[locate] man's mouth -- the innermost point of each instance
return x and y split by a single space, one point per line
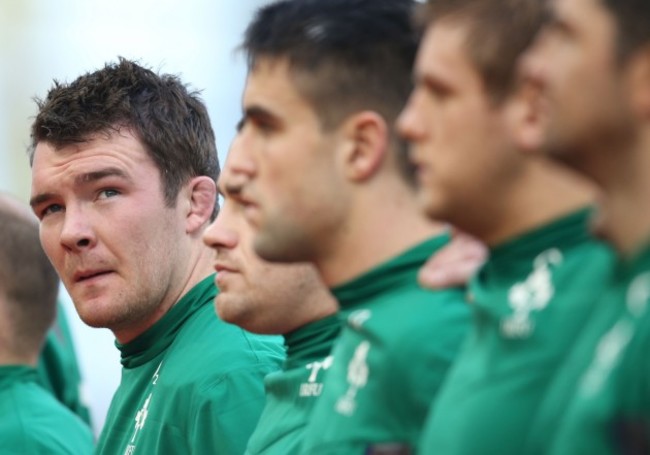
222 267
89 274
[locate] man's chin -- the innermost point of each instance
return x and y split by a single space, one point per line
90 313
275 250
559 149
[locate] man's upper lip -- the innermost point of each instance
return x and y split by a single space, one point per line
88 273
223 266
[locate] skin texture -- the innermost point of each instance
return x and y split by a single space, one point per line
481 182
574 63
295 193
124 256
453 167
316 195
599 106
254 294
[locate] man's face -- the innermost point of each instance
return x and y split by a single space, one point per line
574 62
458 139
106 229
293 197
254 294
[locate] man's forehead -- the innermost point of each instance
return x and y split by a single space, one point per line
570 8
443 48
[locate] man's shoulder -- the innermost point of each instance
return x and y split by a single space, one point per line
430 323
206 348
40 421
412 305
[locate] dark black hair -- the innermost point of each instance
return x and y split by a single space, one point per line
632 19
347 55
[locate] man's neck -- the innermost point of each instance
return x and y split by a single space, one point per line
625 218
382 224
199 268
543 193
9 358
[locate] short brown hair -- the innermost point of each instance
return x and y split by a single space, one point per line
28 282
499 31
632 31
168 117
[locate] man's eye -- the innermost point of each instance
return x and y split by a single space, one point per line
103 194
50 209
263 125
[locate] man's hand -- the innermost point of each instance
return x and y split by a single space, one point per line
454 264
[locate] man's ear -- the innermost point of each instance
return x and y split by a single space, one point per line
201 197
528 117
638 75
366 136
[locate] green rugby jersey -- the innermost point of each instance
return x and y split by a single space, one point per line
552 410
393 353
610 409
32 421
190 384
58 368
530 300
292 392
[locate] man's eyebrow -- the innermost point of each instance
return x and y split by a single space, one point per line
89 177
81 179
257 112
40 199
232 189
240 124
548 14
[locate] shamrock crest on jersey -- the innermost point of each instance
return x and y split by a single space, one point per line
532 294
357 378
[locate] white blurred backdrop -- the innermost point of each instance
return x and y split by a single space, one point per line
42 40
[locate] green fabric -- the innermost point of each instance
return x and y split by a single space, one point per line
553 408
529 300
392 355
58 369
610 409
190 384
33 422
292 392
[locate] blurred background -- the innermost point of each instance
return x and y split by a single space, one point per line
42 40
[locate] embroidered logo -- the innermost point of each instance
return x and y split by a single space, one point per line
357 378
312 388
141 415
530 295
